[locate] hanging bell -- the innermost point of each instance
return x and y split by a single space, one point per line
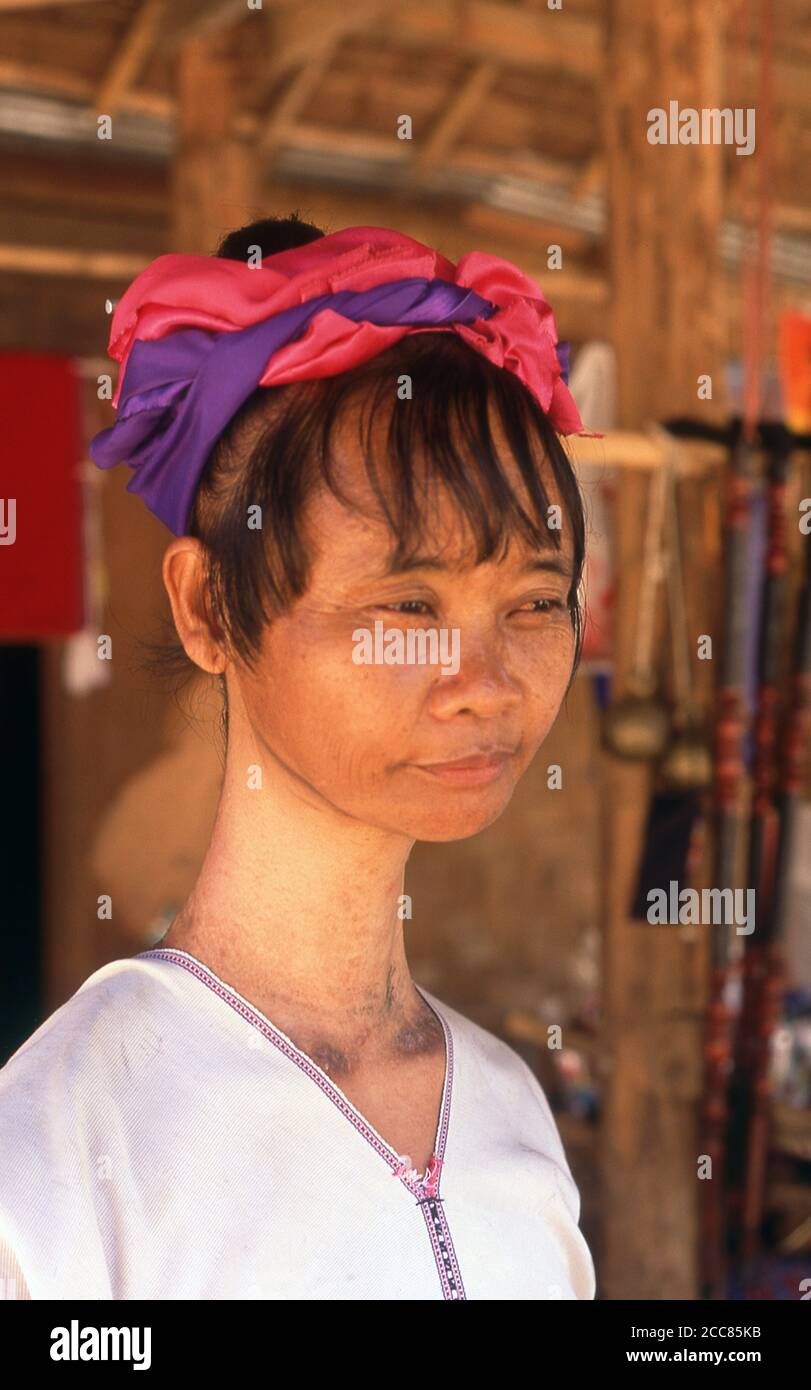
636 726
687 764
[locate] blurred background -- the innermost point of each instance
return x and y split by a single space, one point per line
680 274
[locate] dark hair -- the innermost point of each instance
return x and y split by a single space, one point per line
277 448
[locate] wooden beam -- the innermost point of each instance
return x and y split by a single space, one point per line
541 169
130 56
12 6
669 321
458 110
508 35
57 82
52 260
298 33
528 232
187 19
478 29
358 144
369 144
277 127
454 118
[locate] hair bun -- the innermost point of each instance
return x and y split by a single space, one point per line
271 234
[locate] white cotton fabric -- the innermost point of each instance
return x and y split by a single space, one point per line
160 1139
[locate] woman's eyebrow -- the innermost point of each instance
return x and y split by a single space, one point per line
556 564
553 564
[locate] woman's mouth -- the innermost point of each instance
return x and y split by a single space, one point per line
475 771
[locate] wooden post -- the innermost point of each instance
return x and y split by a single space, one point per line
668 326
95 744
213 181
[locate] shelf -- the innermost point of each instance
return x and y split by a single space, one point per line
635 449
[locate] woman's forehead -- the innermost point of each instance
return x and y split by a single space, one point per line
351 448
443 542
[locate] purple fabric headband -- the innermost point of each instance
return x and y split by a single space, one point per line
180 390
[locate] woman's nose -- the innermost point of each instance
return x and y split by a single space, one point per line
482 683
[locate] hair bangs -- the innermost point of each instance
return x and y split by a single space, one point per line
442 437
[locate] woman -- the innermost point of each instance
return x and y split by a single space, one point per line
266 1105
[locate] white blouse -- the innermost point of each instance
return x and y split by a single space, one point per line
160 1138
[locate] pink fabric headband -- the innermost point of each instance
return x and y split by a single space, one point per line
195 335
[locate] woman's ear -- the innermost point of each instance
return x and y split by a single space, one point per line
184 575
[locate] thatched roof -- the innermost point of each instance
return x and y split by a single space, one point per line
505 99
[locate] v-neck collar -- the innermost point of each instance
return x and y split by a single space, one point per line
428 1184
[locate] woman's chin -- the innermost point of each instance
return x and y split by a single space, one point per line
453 814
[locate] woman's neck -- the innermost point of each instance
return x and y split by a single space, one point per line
296 906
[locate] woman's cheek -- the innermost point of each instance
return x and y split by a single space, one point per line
389 703
550 651
547 668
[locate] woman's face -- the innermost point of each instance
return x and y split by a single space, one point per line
374 740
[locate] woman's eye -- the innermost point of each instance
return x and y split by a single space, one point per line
545 605
416 607
407 606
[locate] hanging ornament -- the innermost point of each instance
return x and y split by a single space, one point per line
687 763
637 725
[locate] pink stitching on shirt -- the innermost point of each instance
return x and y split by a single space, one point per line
426 1188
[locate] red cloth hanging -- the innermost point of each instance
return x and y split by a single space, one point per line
40 453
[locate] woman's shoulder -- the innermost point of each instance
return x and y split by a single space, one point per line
112 1018
67 1096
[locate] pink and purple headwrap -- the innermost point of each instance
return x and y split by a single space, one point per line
195 335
